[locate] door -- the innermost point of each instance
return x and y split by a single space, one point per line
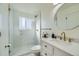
4 30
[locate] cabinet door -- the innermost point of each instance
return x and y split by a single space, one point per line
58 52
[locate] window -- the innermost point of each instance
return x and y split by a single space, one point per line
28 23
25 23
22 23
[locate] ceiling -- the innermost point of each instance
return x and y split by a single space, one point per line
31 8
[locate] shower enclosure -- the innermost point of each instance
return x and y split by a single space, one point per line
19 30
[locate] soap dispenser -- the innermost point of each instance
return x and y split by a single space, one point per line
45 35
53 35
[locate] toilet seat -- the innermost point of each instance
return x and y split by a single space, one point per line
36 48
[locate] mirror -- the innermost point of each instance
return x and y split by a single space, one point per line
67 16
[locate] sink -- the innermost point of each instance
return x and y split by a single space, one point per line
61 42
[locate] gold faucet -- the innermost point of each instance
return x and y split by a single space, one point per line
64 37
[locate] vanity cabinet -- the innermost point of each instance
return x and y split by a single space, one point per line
49 50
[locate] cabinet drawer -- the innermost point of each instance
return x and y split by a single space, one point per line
46 46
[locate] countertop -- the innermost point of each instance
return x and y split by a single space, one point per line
71 48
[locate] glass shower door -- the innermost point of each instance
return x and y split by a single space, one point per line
23 32
4 38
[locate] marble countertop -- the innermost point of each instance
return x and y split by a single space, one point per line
71 48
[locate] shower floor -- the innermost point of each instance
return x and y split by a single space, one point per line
26 50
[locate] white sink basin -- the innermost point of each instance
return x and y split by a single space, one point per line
62 42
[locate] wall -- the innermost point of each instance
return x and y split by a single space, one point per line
37 19
46 19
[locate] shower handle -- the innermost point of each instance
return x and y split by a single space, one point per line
7 45
0 34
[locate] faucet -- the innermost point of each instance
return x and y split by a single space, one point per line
63 33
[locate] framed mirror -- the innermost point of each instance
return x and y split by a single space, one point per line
67 16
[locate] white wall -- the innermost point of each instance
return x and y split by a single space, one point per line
46 19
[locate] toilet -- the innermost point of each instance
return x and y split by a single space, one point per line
36 50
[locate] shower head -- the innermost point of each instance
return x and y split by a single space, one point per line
36 16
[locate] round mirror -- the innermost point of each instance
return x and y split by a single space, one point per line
67 16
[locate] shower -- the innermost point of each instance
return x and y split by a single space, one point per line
24 31
21 28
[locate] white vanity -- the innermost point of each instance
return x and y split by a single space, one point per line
54 47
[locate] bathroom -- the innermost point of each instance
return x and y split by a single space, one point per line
39 29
